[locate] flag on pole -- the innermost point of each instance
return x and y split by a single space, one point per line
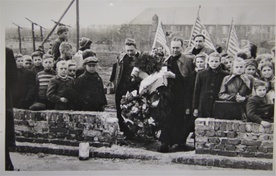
199 28
160 37
232 43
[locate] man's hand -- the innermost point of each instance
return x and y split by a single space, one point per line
169 74
195 113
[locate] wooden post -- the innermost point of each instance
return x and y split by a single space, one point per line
19 37
33 33
78 23
46 38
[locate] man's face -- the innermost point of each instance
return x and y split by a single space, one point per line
62 70
64 35
238 68
176 48
130 50
48 63
214 62
19 62
199 42
91 68
37 61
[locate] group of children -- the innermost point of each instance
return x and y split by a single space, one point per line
46 83
246 81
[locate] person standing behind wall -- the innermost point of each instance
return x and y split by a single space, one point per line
62 33
122 80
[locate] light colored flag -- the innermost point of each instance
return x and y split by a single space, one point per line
199 28
160 38
232 43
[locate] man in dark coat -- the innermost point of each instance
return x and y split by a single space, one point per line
175 128
122 79
11 79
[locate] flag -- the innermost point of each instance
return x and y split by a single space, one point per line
160 37
199 28
232 43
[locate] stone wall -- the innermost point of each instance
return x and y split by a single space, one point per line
233 138
66 127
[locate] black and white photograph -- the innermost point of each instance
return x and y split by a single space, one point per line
137 87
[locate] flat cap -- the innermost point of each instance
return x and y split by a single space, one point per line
90 60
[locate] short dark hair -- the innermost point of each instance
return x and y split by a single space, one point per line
199 35
62 29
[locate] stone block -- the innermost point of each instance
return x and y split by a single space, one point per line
255 127
250 142
242 127
56 130
233 141
231 134
220 134
202 151
200 122
199 132
248 127
262 149
209 146
230 147
252 136
217 125
251 149
229 126
268 144
226 163
201 139
270 150
220 147
210 133
264 155
223 126
214 140
235 126
247 154
264 137
227 153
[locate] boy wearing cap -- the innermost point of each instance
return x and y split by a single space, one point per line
85 44
43 79
60 90
89 85
37 60
62 33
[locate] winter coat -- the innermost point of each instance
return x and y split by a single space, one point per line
58 88
24 92
90 90
11 82
207 86
233 84
257 110
205 50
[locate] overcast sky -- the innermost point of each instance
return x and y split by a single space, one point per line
96 11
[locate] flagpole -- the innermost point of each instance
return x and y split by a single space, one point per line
194 26
229 34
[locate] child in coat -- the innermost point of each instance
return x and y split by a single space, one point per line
60 90
258 111
89 85
37 61
207 86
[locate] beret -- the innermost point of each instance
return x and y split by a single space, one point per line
90 60
85 42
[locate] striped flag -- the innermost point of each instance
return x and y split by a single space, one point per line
160 38
199 28
232 43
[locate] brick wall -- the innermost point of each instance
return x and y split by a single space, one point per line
233 138
66 127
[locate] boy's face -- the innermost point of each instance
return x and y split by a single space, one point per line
62 70
261 91
48 63
64 35
37 61
200 63
27 64
214 62
72 71
228 63
250 70
238 68
267 72
91 68
19 62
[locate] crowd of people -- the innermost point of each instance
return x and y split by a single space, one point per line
198 81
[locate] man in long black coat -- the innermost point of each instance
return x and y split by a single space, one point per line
11 79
